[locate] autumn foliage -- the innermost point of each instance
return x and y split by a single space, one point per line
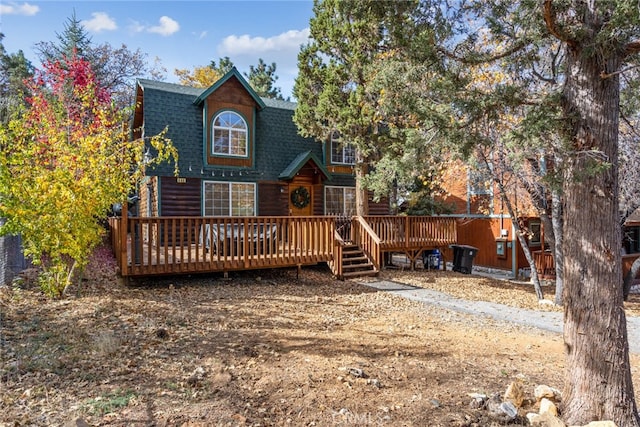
64 160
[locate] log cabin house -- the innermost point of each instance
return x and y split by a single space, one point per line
252 193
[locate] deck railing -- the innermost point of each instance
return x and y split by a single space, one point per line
167 245
545 265
172 245
413 232
367 240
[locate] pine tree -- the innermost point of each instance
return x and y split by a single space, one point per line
15 68
334 67
262 78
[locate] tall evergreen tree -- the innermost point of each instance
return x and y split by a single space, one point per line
15 68
115 68
262 79
223 66
73 39
346 38
568 56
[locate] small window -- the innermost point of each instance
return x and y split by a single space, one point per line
340 200
535 235
229 199
230 135
342 153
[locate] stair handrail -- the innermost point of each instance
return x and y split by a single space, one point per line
336 263
367 240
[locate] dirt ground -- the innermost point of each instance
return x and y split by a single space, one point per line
263 348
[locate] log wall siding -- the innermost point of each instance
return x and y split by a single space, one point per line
273 199
180 199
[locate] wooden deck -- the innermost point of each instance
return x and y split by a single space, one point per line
546 268
147 246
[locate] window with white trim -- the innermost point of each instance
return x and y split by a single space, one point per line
230 135
229 199
340 200
342 153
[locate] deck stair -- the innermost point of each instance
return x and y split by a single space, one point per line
355 263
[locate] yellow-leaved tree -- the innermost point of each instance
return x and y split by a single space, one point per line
199 77
64 160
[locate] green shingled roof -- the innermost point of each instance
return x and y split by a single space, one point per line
198 92
232 73
170 87
297 163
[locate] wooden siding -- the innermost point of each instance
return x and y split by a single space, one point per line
318 199
379 208
455 180
231 96
273 198
482 233
180 198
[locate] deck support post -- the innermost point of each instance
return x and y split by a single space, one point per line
124 235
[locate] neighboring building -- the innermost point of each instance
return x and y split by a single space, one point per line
484 221
239 155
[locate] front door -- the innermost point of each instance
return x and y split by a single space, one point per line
300 199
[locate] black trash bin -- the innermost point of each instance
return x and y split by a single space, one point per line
463 258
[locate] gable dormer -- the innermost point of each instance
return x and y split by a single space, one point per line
229 109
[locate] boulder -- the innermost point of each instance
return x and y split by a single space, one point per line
547 406
545 420
515 394
545 391
501 411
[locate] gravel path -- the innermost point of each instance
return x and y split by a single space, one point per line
547 321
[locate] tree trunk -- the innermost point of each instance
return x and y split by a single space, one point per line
558 258
362 195
598 377
535 279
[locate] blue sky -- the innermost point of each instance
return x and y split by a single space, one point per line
182 34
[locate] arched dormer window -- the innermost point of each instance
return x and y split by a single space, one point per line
230 135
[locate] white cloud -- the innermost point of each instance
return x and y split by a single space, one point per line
100 22
19 9
282 49
202 35
167 27
246 44
136 27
